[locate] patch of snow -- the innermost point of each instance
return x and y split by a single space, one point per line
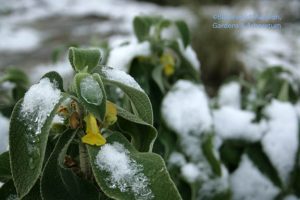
116 75
38 103
248 183
124 173
18 40
232 123
281 140
91 91
122 56
230 95
4 124
190 172
170 33
176 159
185 109
189 54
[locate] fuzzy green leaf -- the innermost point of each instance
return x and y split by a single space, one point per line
184 32
27 150
143 135
55 78
82 59
141 26
91 92
153 168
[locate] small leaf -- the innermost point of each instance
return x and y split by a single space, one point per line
157 76
59 182
184 32
143 134
27 149
15 75
91 92
81 59
55 78
5 173
131 88
150 166
141 28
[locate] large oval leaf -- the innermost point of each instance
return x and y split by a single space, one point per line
90 90
124 173
131 88
143 135
28 137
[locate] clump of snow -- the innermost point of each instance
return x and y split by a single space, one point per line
281 140
190 172
18 40
122 56
116 75
232 123
4 124
124 173
38 103
90 90
229 95
185 109
248 183
176 159
189 54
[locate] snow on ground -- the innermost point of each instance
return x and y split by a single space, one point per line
38 103
121 57
190 172
281 140
124 173
4 126
176 159
248 183
233 123
230 95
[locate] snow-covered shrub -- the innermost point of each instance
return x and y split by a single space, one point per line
79 144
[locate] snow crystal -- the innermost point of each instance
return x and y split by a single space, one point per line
229 95
281 140
190 172
124 173
38 103
121 57
249 183
90 90
120 76
189 54
4 125
185 109
176 159
232 123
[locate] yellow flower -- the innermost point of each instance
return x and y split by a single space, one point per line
168 63
111 114
93 135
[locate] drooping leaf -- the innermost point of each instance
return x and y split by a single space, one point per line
131 88
55 78
82 59
91 93
27 149
184 32
151 166
143 135
5 173
59 182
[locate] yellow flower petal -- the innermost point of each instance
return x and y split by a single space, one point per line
93 139
168 62
91 124
111 114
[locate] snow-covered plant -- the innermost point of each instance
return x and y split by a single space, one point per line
80 144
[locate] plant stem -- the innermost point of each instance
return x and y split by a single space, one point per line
84 161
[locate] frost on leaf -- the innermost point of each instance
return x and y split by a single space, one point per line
90 90
124 173
38 103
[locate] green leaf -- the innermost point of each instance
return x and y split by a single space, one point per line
27 149
84 59
55 78
143 135
261 160
58 182
138 97
15 75
5 173
141 26
91 92
157 75
208 151
151 166
8 191
184 32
